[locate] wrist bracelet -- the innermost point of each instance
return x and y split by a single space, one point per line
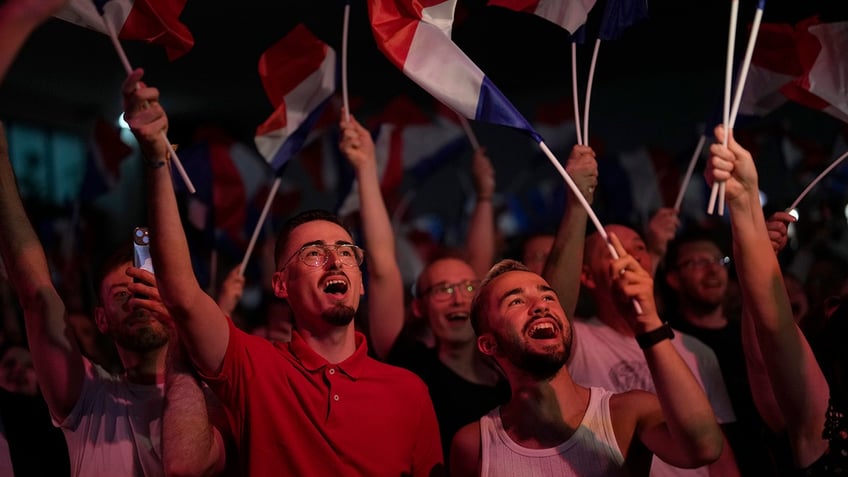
646 340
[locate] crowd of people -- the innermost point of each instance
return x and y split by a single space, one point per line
661 352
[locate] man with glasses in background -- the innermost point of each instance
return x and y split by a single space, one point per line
318 405
464 384
697 279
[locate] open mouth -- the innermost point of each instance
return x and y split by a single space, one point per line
457 317
543 329
335 286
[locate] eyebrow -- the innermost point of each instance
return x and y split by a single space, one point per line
321 242
519 290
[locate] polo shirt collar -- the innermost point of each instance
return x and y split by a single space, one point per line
353 366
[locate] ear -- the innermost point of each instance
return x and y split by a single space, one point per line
100 319
417 308
278 284
586 278
361 286
486 344
673 280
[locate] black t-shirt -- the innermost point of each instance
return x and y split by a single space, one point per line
456 400
36 447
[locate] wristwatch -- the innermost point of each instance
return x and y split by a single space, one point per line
646 340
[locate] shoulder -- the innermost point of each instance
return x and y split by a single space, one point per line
466 451
398 376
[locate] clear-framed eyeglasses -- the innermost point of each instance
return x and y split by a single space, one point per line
445 291
703 262
317 254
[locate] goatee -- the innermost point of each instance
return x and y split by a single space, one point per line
339 315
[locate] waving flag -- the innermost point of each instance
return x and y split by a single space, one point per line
408 141
415 36
151 21
298 73
773 65
823 84
620 15
568 14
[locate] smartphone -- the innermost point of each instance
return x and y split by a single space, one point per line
141 249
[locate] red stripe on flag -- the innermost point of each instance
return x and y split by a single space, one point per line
158 22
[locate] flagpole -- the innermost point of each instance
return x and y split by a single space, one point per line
129 69
271 195
577 193
689 171
589 92
746 62
345 27
574 92
816 181
718 186
469 132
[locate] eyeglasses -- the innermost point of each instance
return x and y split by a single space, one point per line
445 291
317 254
704 262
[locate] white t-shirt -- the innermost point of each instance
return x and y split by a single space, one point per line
603 357
591 451
115 428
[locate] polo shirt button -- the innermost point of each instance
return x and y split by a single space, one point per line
335 397
332 370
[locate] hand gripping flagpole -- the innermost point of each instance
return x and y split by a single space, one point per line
585 204
129 69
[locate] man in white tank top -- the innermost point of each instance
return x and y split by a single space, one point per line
554 427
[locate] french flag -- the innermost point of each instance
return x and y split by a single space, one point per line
620 15
151 21
774 64
823 84
415 37
299 76
408 140
568 14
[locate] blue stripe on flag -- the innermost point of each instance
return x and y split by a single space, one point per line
493 107
295 141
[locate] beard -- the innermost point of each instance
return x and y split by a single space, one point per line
339 315
540 366
142 339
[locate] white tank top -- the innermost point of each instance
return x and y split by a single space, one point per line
591 451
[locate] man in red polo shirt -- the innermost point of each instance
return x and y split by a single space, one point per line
317 405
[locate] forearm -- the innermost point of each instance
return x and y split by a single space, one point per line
480 238
385 293
565 261
685 407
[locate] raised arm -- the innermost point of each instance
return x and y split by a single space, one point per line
797 382
231 291
57 360
385 285
480 239
201 324
565 261
18 19
689 435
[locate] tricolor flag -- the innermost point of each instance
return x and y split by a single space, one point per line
823 84
151 21
774 64
299 76
408 140
415 36
568 14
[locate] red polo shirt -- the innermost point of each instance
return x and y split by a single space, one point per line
296 414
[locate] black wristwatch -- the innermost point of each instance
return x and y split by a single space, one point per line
646 340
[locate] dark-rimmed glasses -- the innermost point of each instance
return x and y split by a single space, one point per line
317 254
703 262
445 291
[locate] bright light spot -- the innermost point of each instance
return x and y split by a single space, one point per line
797 215
763 198
846 211
123 124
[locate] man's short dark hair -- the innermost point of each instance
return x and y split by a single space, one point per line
298 220
478 304
121 256
692 235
